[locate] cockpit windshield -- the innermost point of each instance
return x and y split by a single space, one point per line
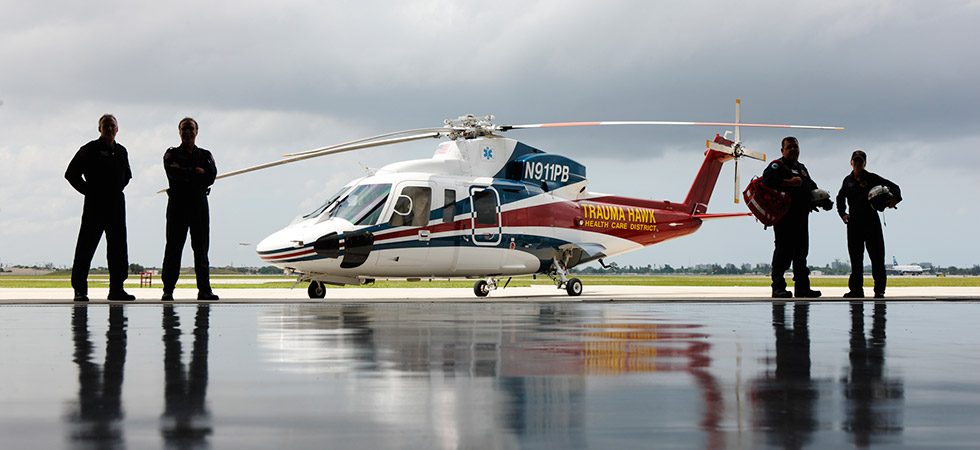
363 204
329 204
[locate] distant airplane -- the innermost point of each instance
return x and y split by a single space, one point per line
906 269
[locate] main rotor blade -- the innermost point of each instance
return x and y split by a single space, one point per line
330 152
358 141
324 152
647 122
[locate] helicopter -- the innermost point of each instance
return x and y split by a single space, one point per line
484 207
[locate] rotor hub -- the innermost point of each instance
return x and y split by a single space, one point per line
737 150
470 126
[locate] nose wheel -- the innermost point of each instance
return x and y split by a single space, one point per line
316 290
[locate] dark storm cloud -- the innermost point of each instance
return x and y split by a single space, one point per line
270 77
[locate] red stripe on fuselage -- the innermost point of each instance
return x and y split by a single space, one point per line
645 222
287 255
621 217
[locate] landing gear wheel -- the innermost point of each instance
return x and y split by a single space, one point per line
481 288
316 290
574 287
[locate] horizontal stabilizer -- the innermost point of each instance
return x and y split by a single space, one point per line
720 216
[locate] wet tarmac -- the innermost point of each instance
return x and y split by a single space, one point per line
510 375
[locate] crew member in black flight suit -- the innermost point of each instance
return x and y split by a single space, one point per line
863 225
787 174
191 172
100 171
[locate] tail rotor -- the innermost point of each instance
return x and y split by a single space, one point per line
735 148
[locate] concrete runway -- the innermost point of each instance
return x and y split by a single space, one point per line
618 367
533 294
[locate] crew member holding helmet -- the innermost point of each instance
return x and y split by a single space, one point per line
792 234
865 193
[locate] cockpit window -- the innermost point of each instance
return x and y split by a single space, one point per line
329 204
362 206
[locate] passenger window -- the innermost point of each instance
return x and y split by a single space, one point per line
412 207
486 207
449 207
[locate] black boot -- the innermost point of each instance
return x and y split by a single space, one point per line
781 293
808 293
120 295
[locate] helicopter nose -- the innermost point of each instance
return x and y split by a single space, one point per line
282 247
268 245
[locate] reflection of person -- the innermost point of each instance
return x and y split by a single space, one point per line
788 396
185 419
792 244
191 172
863 225
873 401
98 417
100 171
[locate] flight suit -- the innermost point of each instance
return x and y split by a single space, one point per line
187 209
864 228
792 235
100 172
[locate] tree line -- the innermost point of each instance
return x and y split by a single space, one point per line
611 269
745 269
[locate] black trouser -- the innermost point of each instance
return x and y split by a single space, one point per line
861 233
101 213
792 246
183 213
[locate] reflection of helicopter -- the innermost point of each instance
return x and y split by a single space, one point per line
483 207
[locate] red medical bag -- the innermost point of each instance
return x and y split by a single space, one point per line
767 204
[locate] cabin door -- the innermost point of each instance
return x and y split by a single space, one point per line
485 217
409 241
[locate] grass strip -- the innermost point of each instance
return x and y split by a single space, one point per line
45 281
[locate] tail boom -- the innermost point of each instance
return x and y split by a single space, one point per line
704 183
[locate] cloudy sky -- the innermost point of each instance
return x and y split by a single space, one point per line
267 78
